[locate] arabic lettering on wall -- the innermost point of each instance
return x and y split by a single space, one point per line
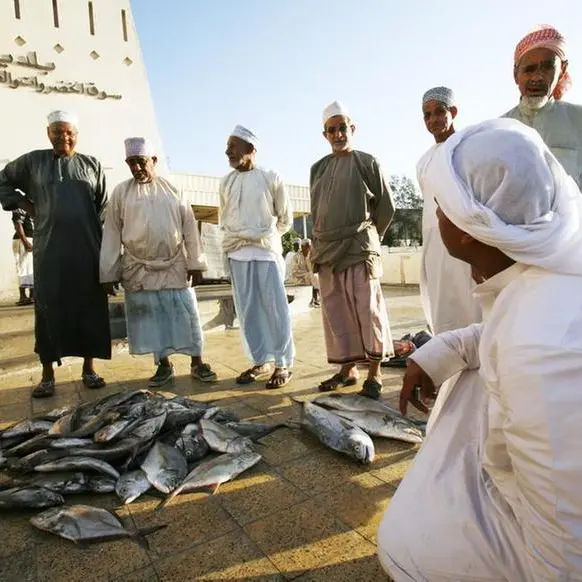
40 83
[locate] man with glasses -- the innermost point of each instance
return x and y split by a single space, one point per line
351 208
541 73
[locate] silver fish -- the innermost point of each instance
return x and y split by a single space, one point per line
222 439
165 467
150 427
29 462
36 443
354 402
253 430
178 418
115 430
101 484
28 497
69 442
384 425
93 424
83 523
78 463
222 415
193 446
131 485
27 427
214 472
64 483
54 414
337 433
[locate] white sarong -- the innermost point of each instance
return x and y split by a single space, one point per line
23 260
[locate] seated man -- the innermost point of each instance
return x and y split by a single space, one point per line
494 493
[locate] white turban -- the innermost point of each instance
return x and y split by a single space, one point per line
306 241
441 94
246 135
63 117
297 241
139 147
499 182
333 109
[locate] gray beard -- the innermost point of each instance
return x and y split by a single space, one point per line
535 103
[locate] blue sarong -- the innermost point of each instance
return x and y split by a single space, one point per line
163 322
263 312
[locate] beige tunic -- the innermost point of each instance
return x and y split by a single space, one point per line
560 125
351 209
150 238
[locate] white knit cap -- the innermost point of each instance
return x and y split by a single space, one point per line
63 117
333 109
139 147
441 94
246 135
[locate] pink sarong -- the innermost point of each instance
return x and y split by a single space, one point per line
355 321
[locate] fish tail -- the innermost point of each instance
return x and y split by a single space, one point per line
139 537
167 500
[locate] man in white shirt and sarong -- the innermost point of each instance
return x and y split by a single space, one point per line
152 247
351 209
494 492
255 212
22 251
541 74
446 284
301 272
290 256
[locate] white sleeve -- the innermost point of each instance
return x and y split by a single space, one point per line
450 352
110 253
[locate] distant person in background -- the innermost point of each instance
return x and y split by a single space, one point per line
162 259
446 285
540 71
65 193
22 250
255 212
351 208
289 258
302 271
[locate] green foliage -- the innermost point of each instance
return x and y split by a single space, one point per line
287 240
406 226
405 193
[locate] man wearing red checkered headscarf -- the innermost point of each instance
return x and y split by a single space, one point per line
540 70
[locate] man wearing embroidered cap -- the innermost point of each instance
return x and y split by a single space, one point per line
351 209
255 212
65 193
445 282
162 253
495 489
540 70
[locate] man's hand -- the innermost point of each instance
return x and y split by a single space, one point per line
110 288
415 377
27 245
195 277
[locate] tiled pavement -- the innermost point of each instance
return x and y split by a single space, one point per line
303 513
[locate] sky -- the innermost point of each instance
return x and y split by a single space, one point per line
273 65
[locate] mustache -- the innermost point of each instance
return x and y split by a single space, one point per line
537 85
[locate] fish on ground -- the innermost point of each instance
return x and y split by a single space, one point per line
86 524
131 485
29 497
76 464
222 439
337 433
165 467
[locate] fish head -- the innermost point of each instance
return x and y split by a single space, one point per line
362 447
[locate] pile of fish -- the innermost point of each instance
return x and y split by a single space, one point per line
128 443
346 423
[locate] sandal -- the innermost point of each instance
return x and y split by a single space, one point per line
336 381
92 381
279 379
203 373
253 374
22 302
44 389
371 389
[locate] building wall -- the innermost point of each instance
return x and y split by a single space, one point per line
84 64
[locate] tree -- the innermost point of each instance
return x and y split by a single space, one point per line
287 240
406 226
405 192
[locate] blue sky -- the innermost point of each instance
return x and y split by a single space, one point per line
273 65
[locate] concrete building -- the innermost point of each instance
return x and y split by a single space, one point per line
85 57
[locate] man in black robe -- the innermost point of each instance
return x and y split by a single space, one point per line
65 193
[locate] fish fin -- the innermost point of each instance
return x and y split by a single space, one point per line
167 500
214 488
139 537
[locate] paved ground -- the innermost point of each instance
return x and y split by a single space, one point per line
303 513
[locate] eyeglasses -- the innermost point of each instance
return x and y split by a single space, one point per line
341 128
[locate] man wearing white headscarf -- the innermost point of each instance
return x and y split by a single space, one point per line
302 271
64 191
351 209
289 258
540 70
255 211
502 501
151 246
446 284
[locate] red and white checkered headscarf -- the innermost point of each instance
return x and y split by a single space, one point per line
545 36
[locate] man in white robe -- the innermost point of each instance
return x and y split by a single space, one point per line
446 285
289 258
151 246
541 74
255 212
302 272
494 494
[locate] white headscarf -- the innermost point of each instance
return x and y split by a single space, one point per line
499 182
246 135
139 147
333 109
